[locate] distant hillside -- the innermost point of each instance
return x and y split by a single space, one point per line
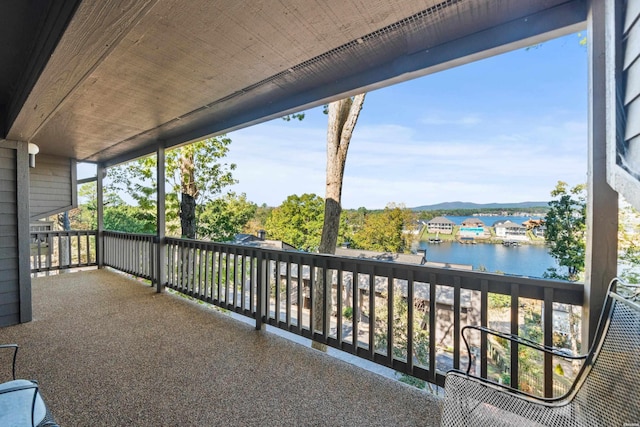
467 205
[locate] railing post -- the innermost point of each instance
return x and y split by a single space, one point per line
261 290
515 329
547 331
100 215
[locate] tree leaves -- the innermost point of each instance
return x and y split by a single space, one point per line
566 230
297 221
384 231
196 169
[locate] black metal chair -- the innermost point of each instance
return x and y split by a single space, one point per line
21 403
606 391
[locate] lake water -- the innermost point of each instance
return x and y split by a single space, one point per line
490 220
524 260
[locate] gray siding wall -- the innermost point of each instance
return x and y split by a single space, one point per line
52 188
9 264
631 69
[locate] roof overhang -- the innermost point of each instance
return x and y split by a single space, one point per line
126 76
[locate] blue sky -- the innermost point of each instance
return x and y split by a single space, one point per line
504 129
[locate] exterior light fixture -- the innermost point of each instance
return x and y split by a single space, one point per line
33 150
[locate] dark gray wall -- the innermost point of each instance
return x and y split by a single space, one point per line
15 282
52 187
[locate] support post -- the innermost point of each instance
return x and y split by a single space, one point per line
160 220
100 174
602 201
23 232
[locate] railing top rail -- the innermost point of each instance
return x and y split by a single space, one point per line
528 287
129 235
63 232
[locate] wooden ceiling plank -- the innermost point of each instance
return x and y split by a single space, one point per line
161 68
81 49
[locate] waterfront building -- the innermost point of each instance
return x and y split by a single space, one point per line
440 224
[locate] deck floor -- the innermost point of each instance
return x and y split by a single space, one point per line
108 350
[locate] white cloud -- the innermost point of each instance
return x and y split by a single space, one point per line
394 163
450 119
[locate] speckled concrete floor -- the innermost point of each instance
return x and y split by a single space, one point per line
109 351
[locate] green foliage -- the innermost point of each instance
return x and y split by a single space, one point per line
258 220
196 169
530 361
505 378
384 231
566 230
137 179
118 216
352 221
629 244
498 301
413 381
400 324
297 221
211 175
347 312
221 219
129 219
294 116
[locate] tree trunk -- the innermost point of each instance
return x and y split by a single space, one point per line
63 256
188 216
343 116
189 194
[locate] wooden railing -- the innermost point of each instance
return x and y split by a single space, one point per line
402 316
61 250
280 288
132 253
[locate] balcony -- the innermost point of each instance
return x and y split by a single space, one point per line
109 350
285 289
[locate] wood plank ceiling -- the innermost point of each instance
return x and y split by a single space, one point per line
129 74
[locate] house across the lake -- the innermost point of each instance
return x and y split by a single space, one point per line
473 228
510 230
440 224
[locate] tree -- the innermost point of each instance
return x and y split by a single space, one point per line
400 329
137 180
565 235
351 222
201 177
194 171
221 219
566 230
629 244
259 219
384 231
118 216
297 221
343 116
